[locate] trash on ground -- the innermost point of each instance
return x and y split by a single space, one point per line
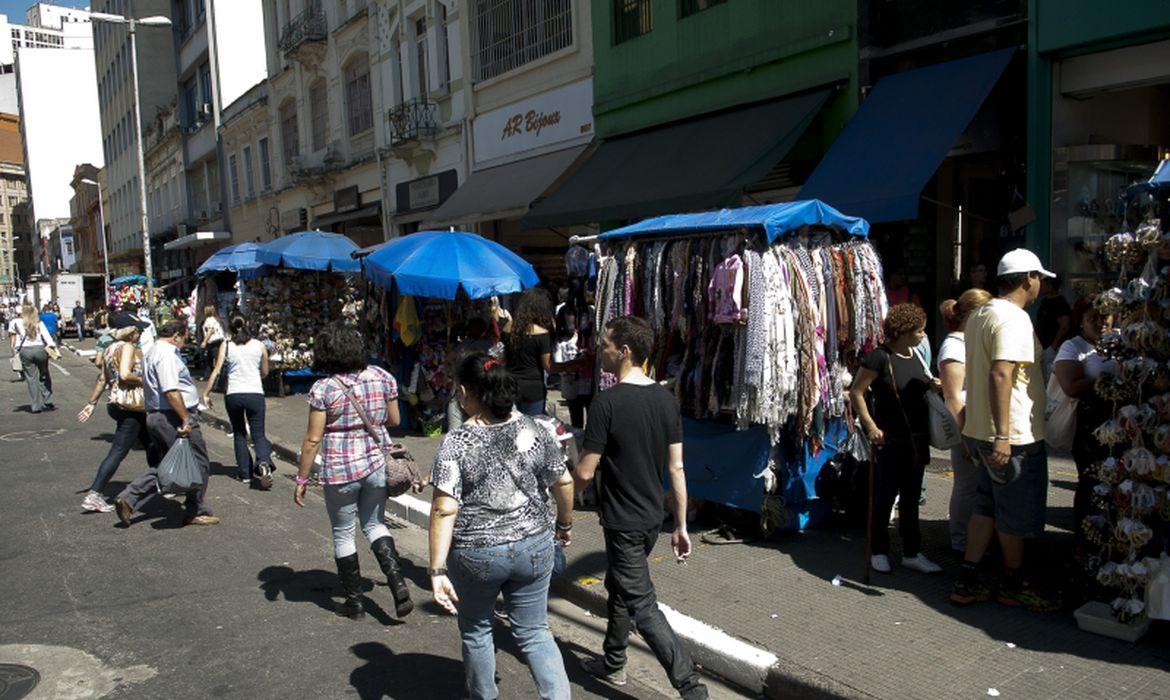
993 692
837 580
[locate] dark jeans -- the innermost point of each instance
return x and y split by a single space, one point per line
531 408
898 472
632 600
130 429
577 408
163 427
246 413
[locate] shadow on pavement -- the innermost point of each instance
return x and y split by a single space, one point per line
317 586
404 676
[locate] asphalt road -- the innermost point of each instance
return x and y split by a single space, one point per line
241 609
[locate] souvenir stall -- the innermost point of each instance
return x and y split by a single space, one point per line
125 290
1131 520
428 284
760 314
304 282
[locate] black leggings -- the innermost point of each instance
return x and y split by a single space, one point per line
898 472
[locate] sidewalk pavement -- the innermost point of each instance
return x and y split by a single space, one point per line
768 617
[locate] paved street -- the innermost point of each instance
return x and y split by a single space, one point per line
237 610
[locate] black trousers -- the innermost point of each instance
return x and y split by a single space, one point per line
632 600
898 473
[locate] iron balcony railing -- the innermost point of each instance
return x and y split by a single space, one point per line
414 120
309 25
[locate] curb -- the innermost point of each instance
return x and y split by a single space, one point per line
752 668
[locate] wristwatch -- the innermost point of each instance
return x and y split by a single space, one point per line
441 571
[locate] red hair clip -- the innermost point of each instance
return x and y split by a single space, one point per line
489 363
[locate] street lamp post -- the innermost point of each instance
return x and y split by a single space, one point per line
102 233
131 26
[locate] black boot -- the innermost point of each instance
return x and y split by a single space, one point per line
349 571
388 559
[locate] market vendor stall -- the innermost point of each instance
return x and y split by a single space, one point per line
431 283
125 290
760 314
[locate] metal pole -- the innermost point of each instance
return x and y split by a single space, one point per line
148 266
105 249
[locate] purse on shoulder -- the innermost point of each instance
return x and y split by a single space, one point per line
402 473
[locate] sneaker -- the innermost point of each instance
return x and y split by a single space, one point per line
125 512
94 503
966 593
596 668
880 563
921 563
201 520
1027 597
263 475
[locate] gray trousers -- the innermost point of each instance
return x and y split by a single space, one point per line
35 362
163 428
966 481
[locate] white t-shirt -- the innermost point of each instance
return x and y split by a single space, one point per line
212 331
565 351
1000 330
40 339
242 364
954 349
147 338
1082 351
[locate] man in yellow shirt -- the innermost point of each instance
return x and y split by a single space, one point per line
1004 431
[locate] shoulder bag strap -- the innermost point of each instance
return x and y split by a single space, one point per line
361 413
894 386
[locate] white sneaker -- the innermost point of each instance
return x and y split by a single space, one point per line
921 563
94 503
880 563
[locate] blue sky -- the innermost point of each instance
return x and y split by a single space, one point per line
15 9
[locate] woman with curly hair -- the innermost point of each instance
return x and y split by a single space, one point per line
353 470
898 425
528 349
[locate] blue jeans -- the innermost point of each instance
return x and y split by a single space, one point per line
131 428
521 570
531 408
362 501
246 413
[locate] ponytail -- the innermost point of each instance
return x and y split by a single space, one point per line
240 331
486 378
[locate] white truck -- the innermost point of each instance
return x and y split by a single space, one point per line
68 289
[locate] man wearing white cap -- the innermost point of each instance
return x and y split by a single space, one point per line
1004 431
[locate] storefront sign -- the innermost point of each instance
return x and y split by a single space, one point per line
347 199
550 118
425 192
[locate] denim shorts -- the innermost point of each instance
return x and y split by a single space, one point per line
1019 506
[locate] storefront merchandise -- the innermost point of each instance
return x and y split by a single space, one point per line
290 307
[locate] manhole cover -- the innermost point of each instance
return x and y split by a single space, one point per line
16 681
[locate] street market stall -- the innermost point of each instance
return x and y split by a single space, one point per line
430 283
289 307
760 314
126 289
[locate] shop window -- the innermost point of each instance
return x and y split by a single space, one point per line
319 114
507 34
357 95
687 8
632 19
290 147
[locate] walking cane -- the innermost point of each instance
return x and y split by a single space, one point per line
869 515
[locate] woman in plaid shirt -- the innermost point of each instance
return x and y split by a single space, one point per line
353 472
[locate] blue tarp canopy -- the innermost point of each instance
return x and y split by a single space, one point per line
437 263
891 147
239 258
775 219
310 250
127 279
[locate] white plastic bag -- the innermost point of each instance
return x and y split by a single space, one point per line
1061 415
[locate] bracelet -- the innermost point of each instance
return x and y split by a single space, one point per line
301 482
439 571
997 438
564 528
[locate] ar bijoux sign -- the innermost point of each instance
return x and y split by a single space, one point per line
559 115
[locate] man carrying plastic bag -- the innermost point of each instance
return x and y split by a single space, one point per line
171 402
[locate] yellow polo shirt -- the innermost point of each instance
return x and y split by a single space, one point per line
1000 330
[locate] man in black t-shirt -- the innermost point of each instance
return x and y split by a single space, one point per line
1053 322
634 433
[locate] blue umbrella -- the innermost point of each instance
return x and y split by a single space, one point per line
310 250
240 258
437 263
127 279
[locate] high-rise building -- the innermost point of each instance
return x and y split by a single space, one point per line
120 138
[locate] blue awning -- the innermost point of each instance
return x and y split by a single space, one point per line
893 144
775 219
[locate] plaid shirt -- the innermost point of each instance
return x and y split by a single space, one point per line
347 450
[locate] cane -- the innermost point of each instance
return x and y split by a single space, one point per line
869 516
